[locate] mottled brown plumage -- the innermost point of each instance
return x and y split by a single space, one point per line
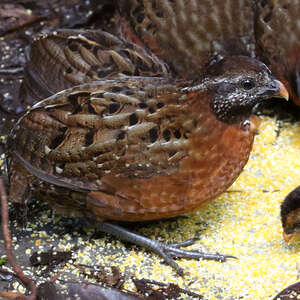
152 131
187 33
66 58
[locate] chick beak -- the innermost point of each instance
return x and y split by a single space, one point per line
281 90
295 236
287 237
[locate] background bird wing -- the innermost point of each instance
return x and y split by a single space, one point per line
278 36
187 33
66 58
278 39
135 127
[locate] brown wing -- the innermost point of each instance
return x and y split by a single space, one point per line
186 33
132 127
66 58
278 35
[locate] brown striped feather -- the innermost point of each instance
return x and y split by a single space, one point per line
187 33
66 58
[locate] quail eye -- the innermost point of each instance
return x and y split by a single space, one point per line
248 84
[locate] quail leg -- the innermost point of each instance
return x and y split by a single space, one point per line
166 251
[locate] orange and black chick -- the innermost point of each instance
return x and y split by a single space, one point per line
290 215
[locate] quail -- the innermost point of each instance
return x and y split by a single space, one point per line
140 148
130 133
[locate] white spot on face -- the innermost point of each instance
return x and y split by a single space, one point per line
47 150
58 170
246 125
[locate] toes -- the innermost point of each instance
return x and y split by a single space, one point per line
175 252
183 244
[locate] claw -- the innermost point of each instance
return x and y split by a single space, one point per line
167 251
